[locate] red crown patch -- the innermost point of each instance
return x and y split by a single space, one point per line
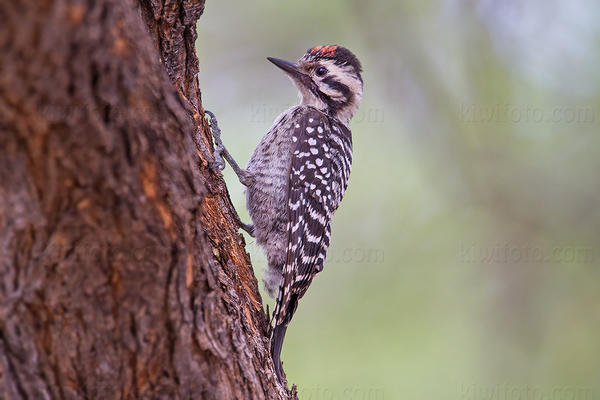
324 50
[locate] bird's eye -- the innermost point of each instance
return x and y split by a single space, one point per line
321 71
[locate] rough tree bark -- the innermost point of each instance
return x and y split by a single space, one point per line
122 272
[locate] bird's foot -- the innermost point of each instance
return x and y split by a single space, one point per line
248 228
220 147
219 162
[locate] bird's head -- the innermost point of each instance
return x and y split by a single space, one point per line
328 78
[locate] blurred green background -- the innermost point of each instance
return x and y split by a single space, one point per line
464 258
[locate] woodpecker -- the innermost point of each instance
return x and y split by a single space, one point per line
297 176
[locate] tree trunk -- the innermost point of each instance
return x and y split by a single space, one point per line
122 272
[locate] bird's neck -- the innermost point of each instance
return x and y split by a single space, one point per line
342 113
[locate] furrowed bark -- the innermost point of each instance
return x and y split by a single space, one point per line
122 272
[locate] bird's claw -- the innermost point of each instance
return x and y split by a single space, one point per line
219 162
217 165
249 228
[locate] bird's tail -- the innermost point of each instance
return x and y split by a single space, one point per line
282 315
276 344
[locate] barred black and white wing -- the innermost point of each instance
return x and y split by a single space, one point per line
318 177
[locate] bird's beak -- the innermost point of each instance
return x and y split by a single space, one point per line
288 67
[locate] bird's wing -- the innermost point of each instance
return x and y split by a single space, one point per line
319 171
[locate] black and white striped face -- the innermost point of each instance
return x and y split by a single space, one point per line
329 79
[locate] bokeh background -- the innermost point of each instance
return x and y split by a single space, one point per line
465 260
